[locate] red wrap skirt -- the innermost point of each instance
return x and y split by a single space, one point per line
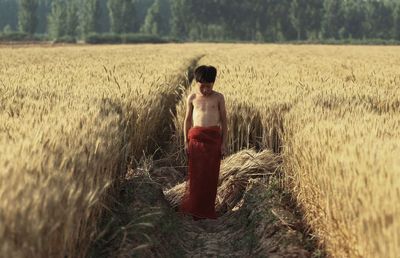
203 172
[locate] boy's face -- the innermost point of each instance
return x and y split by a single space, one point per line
205 88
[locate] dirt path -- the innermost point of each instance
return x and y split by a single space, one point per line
257 219
257 227
208 238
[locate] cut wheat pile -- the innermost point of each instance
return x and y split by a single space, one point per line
235 173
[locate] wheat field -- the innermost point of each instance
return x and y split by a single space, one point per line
333 112
73 117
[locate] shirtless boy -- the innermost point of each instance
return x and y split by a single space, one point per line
206 107
205 132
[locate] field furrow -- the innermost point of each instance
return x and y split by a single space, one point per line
73 118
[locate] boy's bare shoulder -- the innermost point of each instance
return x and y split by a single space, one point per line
191 97
219 95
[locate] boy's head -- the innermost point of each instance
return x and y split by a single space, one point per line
205 74
205 78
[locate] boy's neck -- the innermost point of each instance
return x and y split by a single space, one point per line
211 93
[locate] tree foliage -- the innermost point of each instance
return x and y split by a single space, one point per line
122 15
27 16
251 20
90 16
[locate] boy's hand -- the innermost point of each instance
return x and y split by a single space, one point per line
223 150
187 148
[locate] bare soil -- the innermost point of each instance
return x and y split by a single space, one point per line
263 221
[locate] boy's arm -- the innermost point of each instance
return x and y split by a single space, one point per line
224 123
188 118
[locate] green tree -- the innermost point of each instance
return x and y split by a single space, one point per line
355 19
43 11
7 29
153 21
122 15
128 15
380 18
115 12
298 17
9 14
396 22
57 19
104 22
332 22
90 16
244 28
72 18
27 17
314 14
181 18
273 21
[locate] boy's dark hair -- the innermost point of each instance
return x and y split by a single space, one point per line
205 74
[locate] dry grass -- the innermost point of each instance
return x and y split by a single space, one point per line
334 114
71 119
346 177
235 173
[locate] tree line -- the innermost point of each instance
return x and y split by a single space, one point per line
251 20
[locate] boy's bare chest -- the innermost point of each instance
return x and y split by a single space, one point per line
204 105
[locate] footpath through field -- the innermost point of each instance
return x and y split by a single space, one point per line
256 217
